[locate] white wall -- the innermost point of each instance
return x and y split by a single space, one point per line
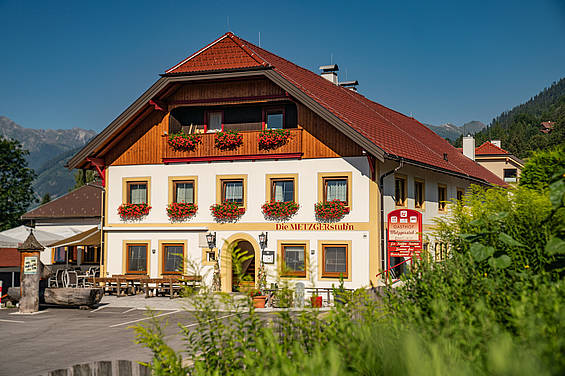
307 186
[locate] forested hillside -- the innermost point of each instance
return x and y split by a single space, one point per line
519 128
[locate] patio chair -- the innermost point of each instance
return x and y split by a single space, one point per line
57 279
72 278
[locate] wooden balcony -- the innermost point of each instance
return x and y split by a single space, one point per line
249 150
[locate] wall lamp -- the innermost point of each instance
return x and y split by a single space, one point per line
263 240
211 239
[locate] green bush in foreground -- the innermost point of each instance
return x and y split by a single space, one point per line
495 307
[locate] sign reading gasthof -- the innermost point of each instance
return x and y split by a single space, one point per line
30 265
404 233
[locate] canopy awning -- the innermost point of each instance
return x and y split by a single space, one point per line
88 237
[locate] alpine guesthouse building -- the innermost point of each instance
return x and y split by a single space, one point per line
236 145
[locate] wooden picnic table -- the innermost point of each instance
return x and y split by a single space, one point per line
118 283
169 284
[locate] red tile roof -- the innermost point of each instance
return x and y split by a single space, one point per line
396 134
83 202
9 257
222 54
490 149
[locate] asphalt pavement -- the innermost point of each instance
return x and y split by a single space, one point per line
58 338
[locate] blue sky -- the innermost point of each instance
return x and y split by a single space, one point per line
80 64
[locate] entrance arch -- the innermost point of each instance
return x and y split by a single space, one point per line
249 244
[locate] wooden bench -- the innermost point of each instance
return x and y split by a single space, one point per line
119 284
169 285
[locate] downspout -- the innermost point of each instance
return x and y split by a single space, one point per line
101 226
381 188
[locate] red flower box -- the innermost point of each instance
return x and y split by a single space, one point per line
227 211
228 140
181 210
280 210
333 210
273 138
133 211
184 142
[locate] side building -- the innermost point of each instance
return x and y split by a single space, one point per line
220 149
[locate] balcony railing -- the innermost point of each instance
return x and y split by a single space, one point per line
249 149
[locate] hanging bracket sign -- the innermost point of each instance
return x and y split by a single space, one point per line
404 233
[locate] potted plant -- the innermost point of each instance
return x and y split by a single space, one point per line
228 140
273 138
181 210
316 300
331 211
280 210
184 142
227 211
133 211
258 298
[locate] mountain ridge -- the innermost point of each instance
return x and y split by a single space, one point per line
49 149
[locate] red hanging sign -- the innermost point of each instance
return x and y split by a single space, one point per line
404 233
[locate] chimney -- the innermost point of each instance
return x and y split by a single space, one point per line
329 72
496 143
469 147
351 85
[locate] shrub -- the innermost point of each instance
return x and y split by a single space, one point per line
541 167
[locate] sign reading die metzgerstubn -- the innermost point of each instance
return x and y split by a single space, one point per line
404 233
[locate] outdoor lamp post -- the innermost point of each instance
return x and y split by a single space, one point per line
263 240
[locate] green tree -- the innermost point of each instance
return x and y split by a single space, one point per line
80 179
45 199
542 166
16 193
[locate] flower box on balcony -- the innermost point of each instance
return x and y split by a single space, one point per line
273 138
181 210
228 140
227 211
331 211
133 211
184 142
280 210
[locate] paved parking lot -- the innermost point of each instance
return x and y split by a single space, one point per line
60 337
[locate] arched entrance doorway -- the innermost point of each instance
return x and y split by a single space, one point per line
243 274
246 243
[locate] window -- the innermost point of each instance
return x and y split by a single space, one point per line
419 196
91 255
173 256
400 191
460 194
335 189
335 260
215 120
282 190
274 119
184 191
442 197
294 256
510 175
137 258
232 191
137 192
59 254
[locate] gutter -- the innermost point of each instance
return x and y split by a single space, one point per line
381 188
